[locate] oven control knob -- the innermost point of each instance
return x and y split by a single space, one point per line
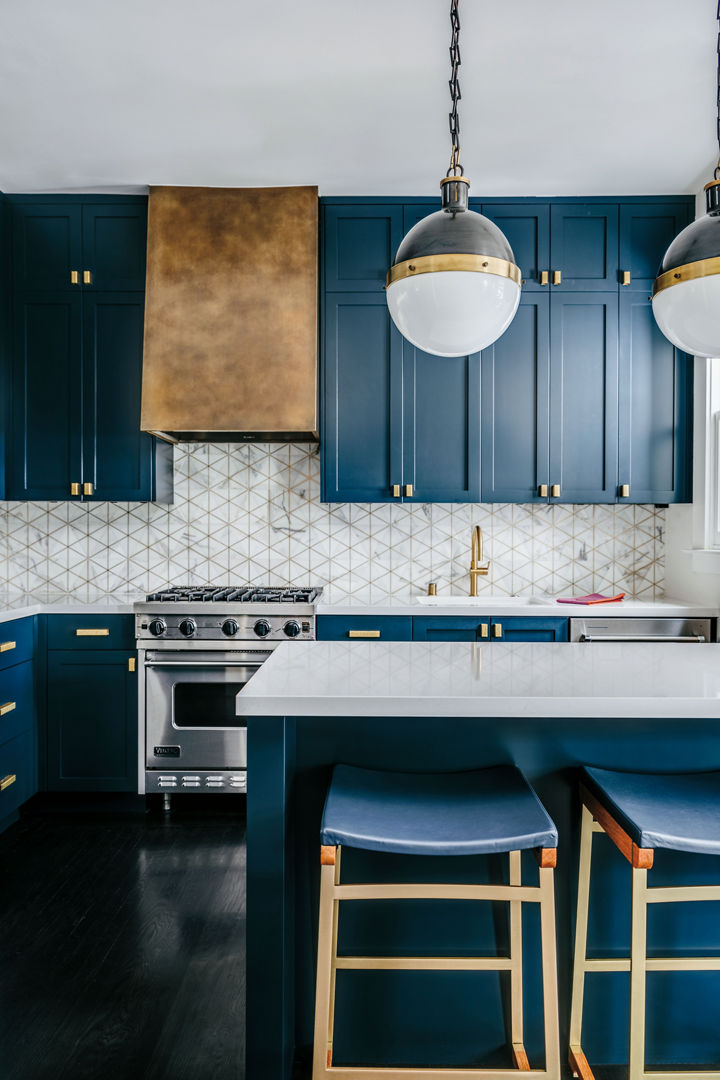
187 627
157 627
292 628
262 628
230 628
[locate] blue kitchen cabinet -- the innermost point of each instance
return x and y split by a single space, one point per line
526 224
75 355
92 705
583 397
646 231
655 409
18 718
359 243
515 406
584 245
489 628
364 627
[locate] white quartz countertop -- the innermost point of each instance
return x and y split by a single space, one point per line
18 607
514 605
318 678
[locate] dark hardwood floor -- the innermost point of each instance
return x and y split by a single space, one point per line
122 944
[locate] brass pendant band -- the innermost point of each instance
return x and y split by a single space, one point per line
432 264
687 272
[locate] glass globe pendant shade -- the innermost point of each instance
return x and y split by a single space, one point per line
453 287
686 293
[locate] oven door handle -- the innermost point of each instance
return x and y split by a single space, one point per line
203 663
692 638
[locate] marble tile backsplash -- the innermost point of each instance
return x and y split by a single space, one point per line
252 513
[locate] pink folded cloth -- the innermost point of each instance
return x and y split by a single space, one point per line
591 598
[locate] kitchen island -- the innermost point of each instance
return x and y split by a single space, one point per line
427 706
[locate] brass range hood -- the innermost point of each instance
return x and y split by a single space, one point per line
230 348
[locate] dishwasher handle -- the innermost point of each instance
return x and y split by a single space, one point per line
692 639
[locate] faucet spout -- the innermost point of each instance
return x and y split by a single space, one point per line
477 567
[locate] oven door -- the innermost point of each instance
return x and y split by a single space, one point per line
190 720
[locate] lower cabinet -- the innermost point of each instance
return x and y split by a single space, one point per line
489 628
364 627
18 718
91 714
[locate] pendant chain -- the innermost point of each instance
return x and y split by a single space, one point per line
717 170
455 95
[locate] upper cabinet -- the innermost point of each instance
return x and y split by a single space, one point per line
581 400
77 276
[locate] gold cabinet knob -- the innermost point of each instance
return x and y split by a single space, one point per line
396 491
408 491
87 277
74 277
6 646
74 489
542 491
557 277
88 488
9 706
624 277
7 781
544 277
363 633
555 491
624 491
497 630
484 630
131 663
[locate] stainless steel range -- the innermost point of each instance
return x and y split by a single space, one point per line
197 648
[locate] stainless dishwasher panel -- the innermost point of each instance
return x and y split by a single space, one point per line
597 629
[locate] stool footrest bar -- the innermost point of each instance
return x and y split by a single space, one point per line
680 893
426 963
351 1072
655 963
527 894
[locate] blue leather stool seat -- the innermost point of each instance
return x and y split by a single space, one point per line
679 811
467 813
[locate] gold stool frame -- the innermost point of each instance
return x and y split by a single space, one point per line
332 892
596 819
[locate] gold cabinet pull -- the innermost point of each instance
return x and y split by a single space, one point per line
74 489
9 706
557 277
131 663
363 633
408 490
624 277
542 491
497 629
555 491
624 491
87 277
7 781
88 488
484 630
544 277
74 277
396 491
6 646
92 631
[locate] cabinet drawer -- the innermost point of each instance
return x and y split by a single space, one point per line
91 632
16 701
17 773
364 628
16 641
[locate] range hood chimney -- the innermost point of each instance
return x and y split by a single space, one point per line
231 315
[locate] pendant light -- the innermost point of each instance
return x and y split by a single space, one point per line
453 287
686 293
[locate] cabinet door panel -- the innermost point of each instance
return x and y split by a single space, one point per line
527 228
92 722
655 435
441 406
46 245
584 245
114 243
452 628
45 442
515 398
18 758
646 232
364 627
530 629
117 456
362 448
584 396
359 245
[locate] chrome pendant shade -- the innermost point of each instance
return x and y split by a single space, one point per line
686 293
453 287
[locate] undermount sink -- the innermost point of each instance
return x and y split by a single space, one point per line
486 601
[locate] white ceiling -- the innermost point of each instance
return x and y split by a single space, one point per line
561 97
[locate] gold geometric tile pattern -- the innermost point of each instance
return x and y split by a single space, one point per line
251 513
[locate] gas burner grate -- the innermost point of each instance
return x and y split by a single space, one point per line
248 594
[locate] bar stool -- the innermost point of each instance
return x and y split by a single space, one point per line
469 813
642 812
